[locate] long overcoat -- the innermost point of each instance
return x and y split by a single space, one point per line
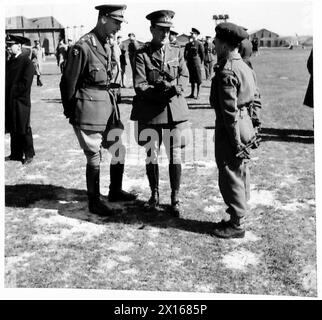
194 54
19 76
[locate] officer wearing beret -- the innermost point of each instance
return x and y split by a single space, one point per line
210 54
173 37
18 79
91 107
232 92
194 55
159 107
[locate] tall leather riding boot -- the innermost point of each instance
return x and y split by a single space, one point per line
116 177
192 94
95 205
175 178
198 90
152 171
39 83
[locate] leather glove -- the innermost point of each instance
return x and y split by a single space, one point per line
242 152
162 85
67 113
175 90
255 145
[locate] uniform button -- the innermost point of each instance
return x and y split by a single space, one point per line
90 98
97 68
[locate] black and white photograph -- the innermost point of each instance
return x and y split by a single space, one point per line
160 148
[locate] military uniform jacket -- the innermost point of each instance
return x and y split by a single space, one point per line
233 88
152 108
210 52
19 76
83 86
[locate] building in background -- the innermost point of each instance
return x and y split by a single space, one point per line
45 29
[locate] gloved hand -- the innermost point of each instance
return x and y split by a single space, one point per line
242 152
162 85
255 144
175 90
67 113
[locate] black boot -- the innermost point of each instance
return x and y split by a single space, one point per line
39 83
116 177
152 171
95 205
192 95
175 177
198 90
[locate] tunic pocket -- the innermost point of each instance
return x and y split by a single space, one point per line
98 73
93 107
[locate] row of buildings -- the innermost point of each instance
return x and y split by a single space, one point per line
48 30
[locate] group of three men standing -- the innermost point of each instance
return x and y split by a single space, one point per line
159 109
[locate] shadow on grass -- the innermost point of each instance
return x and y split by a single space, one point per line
288 135
72 203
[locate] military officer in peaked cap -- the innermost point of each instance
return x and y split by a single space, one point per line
209 61
18 81
233 91
194 55
159 107
91 106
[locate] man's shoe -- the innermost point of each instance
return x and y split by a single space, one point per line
27 160
121 195
153 202
175 209
227 230
96 206
12 158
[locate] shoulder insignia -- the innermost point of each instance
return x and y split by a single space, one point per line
93 41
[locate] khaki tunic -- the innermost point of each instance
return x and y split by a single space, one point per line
154 108
86 100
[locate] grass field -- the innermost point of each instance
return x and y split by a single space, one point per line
52 241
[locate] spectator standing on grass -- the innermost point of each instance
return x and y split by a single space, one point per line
131 49
194 56
18 81
160 77
210 57
233 90
91 107
255 45
308 99
123 62
37 58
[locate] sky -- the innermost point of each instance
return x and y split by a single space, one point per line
284 17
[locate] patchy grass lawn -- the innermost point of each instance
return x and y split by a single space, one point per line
52 241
